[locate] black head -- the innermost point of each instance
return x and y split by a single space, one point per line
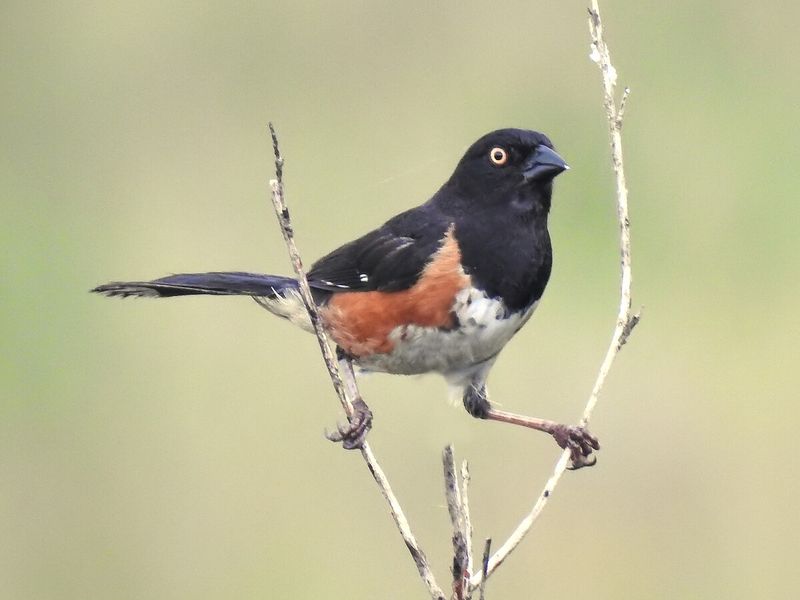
509 166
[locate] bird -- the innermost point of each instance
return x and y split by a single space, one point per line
440 288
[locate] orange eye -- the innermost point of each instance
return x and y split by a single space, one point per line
498 156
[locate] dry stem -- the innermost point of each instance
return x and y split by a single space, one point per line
626 321
458 507
396 511
487 550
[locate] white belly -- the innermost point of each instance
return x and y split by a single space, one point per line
485 326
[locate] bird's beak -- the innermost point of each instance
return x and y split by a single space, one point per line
544 163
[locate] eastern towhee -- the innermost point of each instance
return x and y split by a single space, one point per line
441 287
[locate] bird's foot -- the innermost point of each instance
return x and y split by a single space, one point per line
580 444
353 433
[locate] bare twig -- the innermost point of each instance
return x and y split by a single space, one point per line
285 222
458 507
626 321
487 550
395 509
465 479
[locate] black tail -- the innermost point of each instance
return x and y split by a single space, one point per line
221 284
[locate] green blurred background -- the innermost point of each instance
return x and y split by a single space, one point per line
174 449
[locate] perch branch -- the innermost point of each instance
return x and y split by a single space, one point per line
396 511
626 320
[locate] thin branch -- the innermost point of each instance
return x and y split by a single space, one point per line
485 570
459 518
284 220
626 321
465 480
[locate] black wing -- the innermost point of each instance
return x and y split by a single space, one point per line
388 259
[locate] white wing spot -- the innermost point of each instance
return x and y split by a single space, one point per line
338 285
404 244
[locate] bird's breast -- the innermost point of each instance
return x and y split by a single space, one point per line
481 326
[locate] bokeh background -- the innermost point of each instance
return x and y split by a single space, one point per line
174 449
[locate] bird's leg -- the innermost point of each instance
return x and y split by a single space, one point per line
577 439
354 432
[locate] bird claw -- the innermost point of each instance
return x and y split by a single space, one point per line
353 433
580 444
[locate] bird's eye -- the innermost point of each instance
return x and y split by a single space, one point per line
498 156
